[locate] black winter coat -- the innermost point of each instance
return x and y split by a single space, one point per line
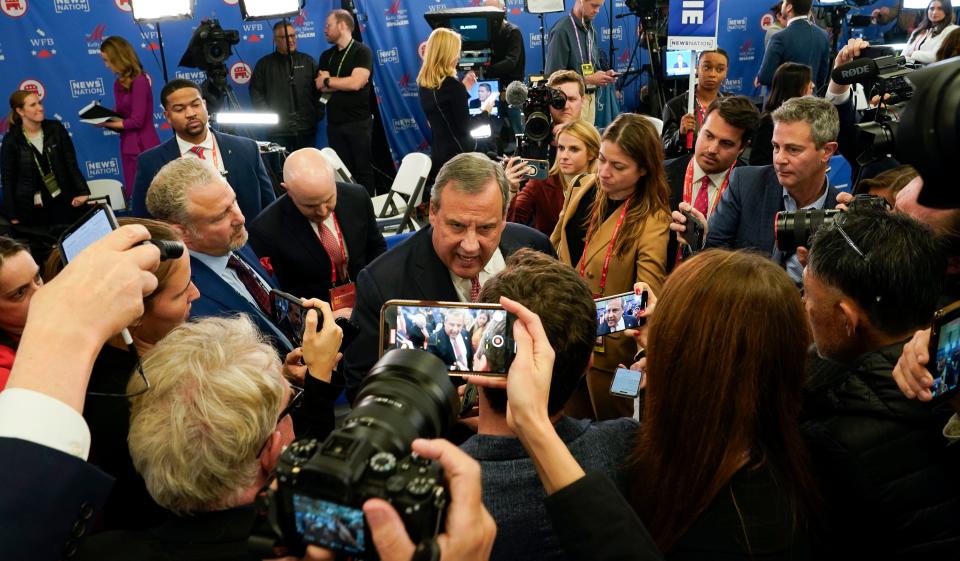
890 480
21 179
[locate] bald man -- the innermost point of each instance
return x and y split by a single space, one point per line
320 234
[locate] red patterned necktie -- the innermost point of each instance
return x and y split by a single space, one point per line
332 247
250 282
474 289
198 150
703 196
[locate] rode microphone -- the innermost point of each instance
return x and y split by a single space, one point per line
516 94
860 70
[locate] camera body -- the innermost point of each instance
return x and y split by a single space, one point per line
795 228
321 487
537 123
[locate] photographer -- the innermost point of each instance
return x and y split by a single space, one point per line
52 495
208 434
887 476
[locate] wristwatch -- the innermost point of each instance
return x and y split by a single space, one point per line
326 82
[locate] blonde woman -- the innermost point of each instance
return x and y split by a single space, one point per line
540 201
133 96
444 98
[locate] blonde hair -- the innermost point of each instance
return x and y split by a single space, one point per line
440 60
588 135
216 391
122 57
167 194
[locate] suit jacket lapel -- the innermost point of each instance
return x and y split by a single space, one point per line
217 289
431 275
302 231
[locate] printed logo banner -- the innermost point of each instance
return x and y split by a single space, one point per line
693 24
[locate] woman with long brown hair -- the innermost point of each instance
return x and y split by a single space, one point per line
719 463
134 101
615 232
926 39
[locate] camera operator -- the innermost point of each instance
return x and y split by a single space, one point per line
887 476
804 139
52 494
208 434
282 82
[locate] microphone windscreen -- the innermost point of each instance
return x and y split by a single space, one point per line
855 72
516 94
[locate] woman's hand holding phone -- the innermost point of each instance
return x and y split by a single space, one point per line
640 333
321 349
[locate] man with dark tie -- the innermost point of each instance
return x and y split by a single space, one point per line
320 234
452 344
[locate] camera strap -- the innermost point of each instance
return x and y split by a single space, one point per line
613 242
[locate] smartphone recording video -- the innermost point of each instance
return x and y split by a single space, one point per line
945 352
468 338
620 312
626 383
95 224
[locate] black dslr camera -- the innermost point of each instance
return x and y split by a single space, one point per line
795 228
538 124
321 486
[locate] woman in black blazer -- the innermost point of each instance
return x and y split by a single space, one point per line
444 98
42 184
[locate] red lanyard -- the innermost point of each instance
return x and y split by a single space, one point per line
688 186
343 251
613 241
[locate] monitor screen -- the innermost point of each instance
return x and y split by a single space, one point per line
483 97
473 30
678 63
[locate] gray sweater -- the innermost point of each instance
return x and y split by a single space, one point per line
512 491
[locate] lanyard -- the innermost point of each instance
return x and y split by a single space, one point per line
688 186
344 57
33 152
613 241
343 251
700 112
589 42
216 162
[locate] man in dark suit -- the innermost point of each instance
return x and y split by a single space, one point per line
235 157
452 344
190 195
466 243
802 42
614 319
700 180
289 234
804 139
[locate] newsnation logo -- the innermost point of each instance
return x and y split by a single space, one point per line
388 56
61 6
734 24
99 168
403 124
79 88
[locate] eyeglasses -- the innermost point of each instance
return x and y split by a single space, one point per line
296 398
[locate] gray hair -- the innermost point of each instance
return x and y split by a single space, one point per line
470 172
215 394
167 194
817 112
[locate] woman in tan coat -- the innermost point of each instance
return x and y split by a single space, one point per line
614 231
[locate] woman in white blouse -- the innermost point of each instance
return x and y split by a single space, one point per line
926 38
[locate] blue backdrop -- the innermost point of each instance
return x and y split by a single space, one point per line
52 46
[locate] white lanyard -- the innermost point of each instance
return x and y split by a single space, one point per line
589 42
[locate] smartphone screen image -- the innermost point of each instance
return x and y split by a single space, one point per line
94 225
288 315
620 312
626 382
947 365
473 338
330 524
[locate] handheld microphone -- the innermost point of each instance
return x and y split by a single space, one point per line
516 94
855 71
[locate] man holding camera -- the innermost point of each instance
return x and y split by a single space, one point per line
572 45
700 180
282 82
887 475
804 139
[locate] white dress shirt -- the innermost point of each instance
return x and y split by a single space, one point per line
208 146
41 419
493 266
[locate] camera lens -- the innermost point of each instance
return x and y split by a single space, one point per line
795 228
537 127
407 395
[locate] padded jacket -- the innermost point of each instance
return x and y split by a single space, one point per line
888 476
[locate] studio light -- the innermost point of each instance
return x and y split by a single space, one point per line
238 118
161 10
483 131
269 9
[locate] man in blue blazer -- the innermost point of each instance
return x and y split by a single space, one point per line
235 157
804 139
801 41
202 207
467 242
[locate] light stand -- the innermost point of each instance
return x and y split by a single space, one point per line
155 11
542 7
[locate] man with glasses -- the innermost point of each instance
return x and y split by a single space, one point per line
209 433
887 475
283 83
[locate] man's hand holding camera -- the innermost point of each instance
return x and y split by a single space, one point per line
679 224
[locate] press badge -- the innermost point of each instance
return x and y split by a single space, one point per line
324 98
586 69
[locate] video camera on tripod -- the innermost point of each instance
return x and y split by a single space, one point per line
209 48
